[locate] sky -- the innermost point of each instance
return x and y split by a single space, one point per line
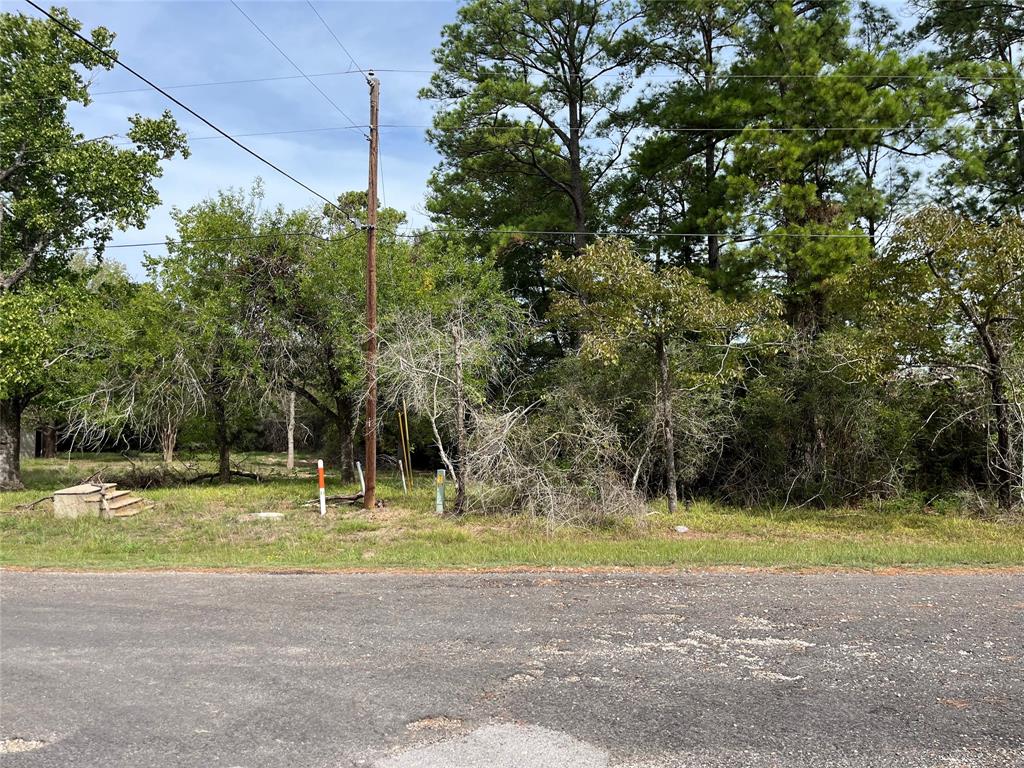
185 42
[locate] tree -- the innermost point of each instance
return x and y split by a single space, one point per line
61 191
163 386
212 276
906 108
440 353
524 91
618 302
677 182
524 85
948 298
788 117
790 171
37 335
145 380
978 45
317 306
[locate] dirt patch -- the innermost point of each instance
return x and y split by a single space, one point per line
438 723
502 745
260 516
380 515
955 703
10 746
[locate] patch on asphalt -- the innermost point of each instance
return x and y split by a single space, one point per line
434 724
504 745
10 746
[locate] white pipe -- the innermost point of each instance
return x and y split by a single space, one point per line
320 482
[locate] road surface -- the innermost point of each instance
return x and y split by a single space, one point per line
624 670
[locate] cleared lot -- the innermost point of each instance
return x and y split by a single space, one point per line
616 669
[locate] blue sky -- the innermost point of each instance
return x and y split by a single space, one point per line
175 43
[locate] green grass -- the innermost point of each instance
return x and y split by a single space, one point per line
197 526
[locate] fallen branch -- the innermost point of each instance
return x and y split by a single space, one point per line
33 503
233 472
353 499
91 479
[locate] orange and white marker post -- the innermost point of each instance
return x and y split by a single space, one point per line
320 480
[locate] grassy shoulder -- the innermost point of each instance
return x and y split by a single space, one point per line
198 526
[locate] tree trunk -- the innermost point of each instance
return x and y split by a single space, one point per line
460 424
345 426
49 432
168 439
1018 122
291 432
1002 469
707 33
10 445
576 170
668 432
223 443
1003 472
709 180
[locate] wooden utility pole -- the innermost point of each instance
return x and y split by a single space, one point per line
370 496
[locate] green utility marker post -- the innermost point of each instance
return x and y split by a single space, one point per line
439 496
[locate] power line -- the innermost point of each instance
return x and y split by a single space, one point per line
501 231
793 129
232 238
653 129
184 106
211 83
713 128
654 76
225 238
297 67
380 159
336 38
635 233
198 138
851 76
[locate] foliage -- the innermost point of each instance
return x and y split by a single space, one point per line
978 47
947 301
59 192
209 277
618 303
314 308
144 383
524 90
440 357
615 299
63 190
35 334
563 467
761 251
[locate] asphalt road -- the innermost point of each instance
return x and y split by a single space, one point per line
542 669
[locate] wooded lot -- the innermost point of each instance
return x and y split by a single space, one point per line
754 251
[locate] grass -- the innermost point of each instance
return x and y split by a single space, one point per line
197 526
